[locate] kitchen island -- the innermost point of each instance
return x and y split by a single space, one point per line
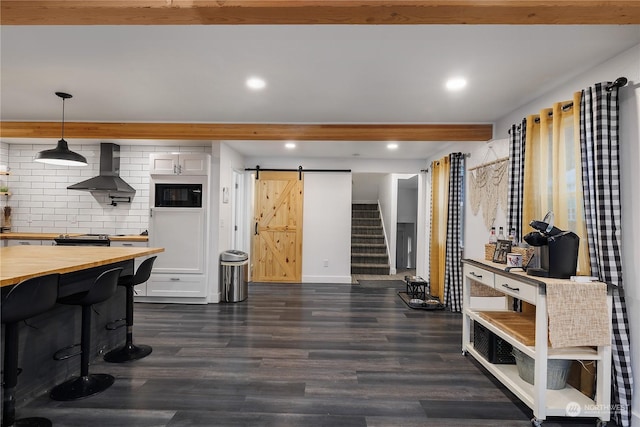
43 335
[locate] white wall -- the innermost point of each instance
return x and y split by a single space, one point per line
326 241
423 225
365 187
388 196
627 65
356 165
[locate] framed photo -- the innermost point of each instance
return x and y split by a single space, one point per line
503 247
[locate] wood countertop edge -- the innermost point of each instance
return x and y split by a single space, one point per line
80 266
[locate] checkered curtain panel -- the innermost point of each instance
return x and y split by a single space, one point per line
601 186
453 257
517 135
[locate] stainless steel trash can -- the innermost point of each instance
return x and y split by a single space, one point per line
234 270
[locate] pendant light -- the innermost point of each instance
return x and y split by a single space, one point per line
61 155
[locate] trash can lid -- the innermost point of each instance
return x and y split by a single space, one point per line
233 255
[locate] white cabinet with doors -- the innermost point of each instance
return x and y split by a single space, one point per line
178 164
178 222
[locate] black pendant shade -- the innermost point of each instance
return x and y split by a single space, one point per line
61 155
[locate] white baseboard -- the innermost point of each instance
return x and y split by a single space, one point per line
635 418
326 279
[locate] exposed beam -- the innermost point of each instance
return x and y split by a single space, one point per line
251 131
237 12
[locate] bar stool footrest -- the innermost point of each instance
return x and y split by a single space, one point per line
64 353
116 324
82 387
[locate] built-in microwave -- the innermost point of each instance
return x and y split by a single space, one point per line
178 195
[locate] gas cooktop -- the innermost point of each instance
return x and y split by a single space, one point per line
83 239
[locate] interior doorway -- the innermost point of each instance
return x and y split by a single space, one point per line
406 246
406 225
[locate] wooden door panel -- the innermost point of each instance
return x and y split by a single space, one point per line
277 242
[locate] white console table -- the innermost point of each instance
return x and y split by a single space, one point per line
543 402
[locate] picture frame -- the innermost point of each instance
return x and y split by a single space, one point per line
503 247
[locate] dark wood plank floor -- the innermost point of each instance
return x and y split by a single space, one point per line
297 355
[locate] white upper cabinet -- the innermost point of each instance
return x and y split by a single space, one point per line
178 164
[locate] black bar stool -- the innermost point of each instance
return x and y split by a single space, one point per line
87 385
130 351
26 299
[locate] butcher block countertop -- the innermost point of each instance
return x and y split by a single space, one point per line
51 236
18 263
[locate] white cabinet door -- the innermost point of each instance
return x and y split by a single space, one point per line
163 164
178 164
180 231
193 164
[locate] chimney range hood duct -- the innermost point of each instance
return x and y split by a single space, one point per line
109 180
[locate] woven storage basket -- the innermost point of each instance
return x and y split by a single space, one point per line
526 253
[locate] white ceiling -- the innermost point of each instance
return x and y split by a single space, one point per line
314 74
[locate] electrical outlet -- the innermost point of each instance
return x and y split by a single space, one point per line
326 263
73 219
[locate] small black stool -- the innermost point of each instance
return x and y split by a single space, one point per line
26 299
87 385
130 351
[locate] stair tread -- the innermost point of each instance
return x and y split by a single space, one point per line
370 265
368 254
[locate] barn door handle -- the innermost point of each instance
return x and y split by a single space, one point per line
255 229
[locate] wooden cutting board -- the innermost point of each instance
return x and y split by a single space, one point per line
522 326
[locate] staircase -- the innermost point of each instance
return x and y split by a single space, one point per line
368 248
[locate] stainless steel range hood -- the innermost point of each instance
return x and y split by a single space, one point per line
109 179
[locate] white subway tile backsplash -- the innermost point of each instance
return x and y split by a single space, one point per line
42 202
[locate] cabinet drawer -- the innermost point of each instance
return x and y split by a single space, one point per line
24 243
479 275
177 285
520 290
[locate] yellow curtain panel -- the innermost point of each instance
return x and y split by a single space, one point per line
552 173
439 211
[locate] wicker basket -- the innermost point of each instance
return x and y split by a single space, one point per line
526 253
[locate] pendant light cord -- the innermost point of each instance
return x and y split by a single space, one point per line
63 118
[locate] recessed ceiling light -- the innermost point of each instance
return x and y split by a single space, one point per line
456 83
256 83
392 146
290 145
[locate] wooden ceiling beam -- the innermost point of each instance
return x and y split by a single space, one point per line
250 131
273 12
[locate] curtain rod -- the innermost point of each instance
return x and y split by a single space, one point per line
619 82
299 170
493 162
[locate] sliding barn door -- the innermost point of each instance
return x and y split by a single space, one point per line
277 238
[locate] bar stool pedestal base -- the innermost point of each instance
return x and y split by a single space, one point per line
33 422
81 387
127 353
